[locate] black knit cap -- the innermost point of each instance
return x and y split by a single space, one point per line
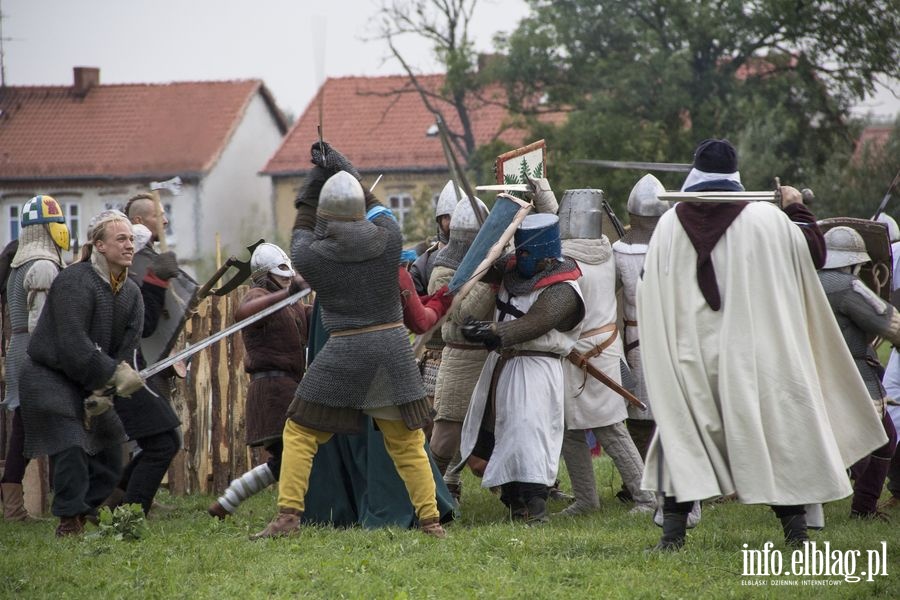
715 156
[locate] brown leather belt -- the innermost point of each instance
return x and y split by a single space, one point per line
267 374
456 346
369 329
599 348
513 353
20 330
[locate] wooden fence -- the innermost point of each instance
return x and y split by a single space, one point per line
210 402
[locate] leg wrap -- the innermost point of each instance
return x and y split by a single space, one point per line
617 443
251 482
407 449
577 455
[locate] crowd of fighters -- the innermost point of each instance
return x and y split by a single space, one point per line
742 369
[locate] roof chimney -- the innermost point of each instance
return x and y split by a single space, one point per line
85 79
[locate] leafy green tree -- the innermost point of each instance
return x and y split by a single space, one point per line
648 79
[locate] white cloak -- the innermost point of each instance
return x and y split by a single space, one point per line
761 398
529 425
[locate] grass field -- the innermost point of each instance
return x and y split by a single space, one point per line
186 554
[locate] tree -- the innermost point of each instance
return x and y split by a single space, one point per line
648 79
445 23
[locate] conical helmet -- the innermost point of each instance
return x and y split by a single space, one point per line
447 200
643 199
581 214
464 218
845 248
342 199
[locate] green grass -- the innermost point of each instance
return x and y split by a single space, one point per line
186 554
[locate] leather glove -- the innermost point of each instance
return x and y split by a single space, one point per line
165 265
96 404
789 195
126 380
298 284
542 195
482 332
331 160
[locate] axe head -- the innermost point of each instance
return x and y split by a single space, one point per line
173 186
241 274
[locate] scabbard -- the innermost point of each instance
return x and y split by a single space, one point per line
579 361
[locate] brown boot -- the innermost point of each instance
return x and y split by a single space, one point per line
285 523
70 526
218 511
432 527
14 503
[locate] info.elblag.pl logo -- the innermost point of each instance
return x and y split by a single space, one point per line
813 560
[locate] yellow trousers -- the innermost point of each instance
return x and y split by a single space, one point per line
406 448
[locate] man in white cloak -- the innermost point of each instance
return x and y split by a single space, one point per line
754 392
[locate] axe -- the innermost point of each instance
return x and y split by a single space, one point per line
173 186
240 276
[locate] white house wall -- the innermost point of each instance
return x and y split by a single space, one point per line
234 201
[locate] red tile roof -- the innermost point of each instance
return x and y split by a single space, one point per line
379 130
121 131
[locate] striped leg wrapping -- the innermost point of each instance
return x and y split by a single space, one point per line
251 482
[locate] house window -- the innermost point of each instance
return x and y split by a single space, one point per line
13 222
401 204
73 219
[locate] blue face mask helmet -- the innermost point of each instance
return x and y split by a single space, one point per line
537 242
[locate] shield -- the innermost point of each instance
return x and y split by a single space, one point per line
515 166
179 294
875 274
490 243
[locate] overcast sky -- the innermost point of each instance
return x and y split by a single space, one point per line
145 41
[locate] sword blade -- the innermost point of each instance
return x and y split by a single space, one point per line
717 196
636 165
233 328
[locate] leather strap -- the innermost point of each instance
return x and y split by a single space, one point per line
513 352
369 329
582 363
267 374
457 346
599 348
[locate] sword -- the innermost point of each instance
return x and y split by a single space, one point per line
231 329
639 166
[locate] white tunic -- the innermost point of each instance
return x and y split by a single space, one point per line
762 397
529 425
590 403
629 263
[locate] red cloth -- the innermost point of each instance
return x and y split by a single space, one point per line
418 316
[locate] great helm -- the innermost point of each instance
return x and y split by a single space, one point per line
893 229
537 239
269 258
44 210
644 201
342 199
581 214
845 248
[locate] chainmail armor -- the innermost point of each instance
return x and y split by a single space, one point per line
517 286
640 229
452 254
352 266
859 323
66 362
558 307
